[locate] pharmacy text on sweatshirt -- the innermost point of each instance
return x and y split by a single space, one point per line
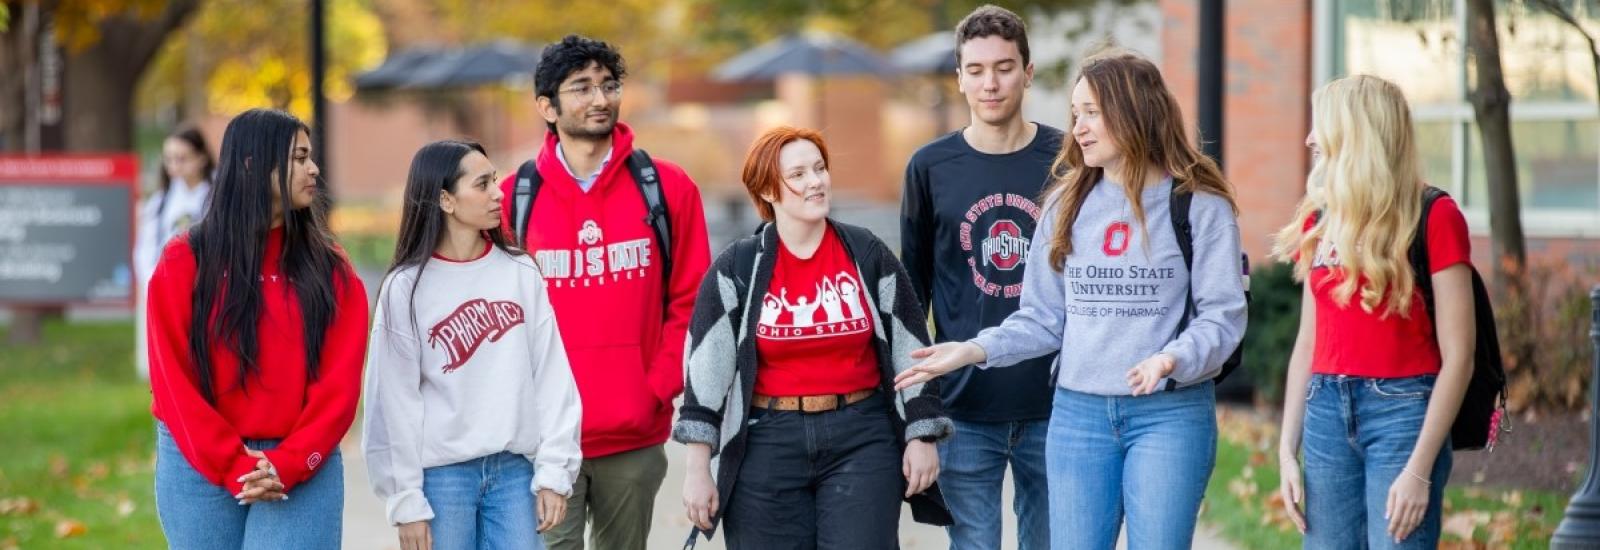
466 361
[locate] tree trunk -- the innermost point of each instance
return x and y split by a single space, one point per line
1491 103
97 103
100 80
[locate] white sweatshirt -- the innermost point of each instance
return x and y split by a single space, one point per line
481 370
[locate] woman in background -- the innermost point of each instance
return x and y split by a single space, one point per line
179 201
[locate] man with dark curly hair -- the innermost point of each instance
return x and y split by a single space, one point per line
620 239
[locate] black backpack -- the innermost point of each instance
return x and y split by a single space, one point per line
1178 205
644 175
1486 397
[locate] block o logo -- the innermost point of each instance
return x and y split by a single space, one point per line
1005 246
1117 237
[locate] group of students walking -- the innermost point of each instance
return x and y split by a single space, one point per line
536 327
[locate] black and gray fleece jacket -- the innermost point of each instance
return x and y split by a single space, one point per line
720 362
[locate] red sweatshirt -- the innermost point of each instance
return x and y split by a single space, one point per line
602 269
278 402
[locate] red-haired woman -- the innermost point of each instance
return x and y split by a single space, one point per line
796 337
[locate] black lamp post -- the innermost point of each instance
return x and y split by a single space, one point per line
319 101
1210 77
1581 526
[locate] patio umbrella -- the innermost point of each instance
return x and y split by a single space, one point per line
817 54
395 70
435 68
931 54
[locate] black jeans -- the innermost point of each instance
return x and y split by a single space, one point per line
821 481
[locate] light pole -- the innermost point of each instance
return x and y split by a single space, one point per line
1581 526
1211 77
319 102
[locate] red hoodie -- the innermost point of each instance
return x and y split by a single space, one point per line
602 269
310 417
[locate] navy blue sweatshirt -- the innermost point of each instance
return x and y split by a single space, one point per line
966 220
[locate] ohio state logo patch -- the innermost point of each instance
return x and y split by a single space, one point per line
1005 248
590 233
1118 234
313 461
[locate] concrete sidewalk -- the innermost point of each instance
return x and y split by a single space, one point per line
366 529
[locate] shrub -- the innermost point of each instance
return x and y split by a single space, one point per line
1274 321
1551 321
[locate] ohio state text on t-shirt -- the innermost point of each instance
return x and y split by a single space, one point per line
967 220
814 335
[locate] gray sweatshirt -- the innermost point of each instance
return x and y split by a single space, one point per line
1121 295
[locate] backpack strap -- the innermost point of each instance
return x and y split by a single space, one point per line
1178 209
655 206
1418 253
528 183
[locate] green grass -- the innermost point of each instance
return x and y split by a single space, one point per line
78 432
1240 504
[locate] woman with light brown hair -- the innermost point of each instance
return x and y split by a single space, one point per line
1143 325
796 337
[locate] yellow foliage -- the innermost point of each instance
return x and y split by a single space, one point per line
251 54
78 21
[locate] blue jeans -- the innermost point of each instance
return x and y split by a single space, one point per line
818 481
1148 457
196 515
972 470
483 503
1359 433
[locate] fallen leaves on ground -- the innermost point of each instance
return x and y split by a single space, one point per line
58 466
125 507
18 506
68 528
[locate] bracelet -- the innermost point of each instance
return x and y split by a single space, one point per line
1419 478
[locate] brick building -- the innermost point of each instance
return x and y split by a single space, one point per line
1278 51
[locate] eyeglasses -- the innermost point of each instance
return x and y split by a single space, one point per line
611 88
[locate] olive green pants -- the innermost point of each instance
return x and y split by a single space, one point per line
616 494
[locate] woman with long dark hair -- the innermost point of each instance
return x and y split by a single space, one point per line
177 203
1142 329
471 413
257 325
796 337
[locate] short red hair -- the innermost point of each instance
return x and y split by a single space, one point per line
762 174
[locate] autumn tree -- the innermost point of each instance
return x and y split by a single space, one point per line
241 54
107 45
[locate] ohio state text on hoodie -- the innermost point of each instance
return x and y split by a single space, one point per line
601 267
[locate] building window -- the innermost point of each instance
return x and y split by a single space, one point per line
1420 45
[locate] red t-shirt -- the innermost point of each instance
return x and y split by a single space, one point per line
814 336
1353 342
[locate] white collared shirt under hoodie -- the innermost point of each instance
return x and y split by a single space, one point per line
468 366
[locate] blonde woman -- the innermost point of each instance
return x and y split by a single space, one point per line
1374 382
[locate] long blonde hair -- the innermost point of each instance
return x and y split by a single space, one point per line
1365 189
1147 124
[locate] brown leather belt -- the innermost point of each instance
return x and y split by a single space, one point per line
811 403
